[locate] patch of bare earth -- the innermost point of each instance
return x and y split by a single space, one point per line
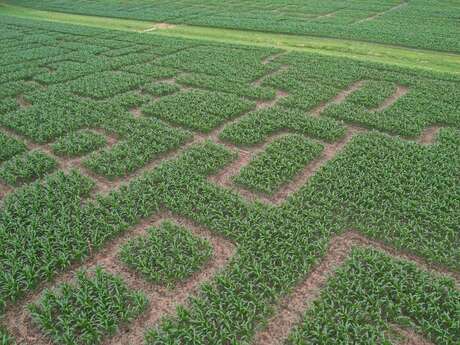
429 135
327 15
22 102
136 112
290 310
409 337
162 301
4 190
160 26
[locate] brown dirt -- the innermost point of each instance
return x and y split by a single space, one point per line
339 98
162 301
410 337
291 309
22 102
166 80
160 26
165 26
112 138
429 135
4 190
136 112
399 92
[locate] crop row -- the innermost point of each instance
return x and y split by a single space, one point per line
219 83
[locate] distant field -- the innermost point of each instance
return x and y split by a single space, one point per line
158 190
413 23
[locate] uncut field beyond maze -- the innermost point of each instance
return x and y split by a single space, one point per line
423 24
157 190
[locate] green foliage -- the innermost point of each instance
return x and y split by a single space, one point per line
88 311
26 167
160 89
372 290
151 70
127 100
46 242
142 140
400 192
278 164
256 126
105 84
372 94
198 110
7 104
227 62
10 147
167 255
54 114
78 143
209 82
429 100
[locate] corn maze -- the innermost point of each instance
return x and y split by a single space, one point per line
159 190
